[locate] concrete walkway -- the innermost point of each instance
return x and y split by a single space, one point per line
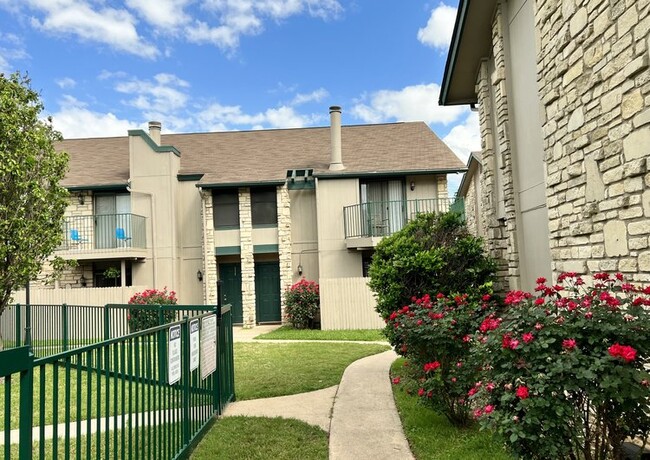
359 414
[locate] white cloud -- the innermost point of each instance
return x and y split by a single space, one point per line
217 116
66 82
237 18
163 94
165 14
413 103
440 27
315 96
75 120
465 138
11 49
113 27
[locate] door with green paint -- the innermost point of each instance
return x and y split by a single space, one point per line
230 275
267 292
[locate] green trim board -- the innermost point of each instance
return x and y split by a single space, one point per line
227 250
266 249
155 147
380 174
98 188
226 227
265 226
189 177
240 184
452 55
301 185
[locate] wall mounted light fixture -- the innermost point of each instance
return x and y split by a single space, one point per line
199 275
412 185
83 281
300 269
81 198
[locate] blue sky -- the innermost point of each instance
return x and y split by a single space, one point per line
106 66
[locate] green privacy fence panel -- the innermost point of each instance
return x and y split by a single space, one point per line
111 400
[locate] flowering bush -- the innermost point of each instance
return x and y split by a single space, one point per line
140 319
436 337
302 302
563 371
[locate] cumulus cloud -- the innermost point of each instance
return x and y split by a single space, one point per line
75 120
412 103
164 14
237 18
437 33
164 93
216 117
11 49
65 83
315 96
110 26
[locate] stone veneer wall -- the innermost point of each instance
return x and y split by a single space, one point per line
247 257
594 84
70 277
284 242
210 276
471 217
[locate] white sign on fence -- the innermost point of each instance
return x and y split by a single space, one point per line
174 354
194 344
208 345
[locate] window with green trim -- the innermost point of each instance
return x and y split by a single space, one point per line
264 207
225 206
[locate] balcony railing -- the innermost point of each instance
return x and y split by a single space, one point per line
104 233
383 218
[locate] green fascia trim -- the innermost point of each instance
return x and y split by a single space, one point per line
99 188
155 147
240 184
265 249
227 227
227 251
301 185
265 226
189 177
453 51
353 175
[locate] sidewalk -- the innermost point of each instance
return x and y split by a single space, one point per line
359 413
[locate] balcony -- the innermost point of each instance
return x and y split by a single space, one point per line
105 236
366 223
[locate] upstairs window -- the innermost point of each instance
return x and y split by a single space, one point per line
225 209
264 207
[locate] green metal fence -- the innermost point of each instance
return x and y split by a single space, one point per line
141 395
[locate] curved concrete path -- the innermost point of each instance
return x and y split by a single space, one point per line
359 414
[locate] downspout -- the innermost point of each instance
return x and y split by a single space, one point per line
153 229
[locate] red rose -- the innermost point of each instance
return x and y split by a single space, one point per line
522 392
396 380
569 344
528 337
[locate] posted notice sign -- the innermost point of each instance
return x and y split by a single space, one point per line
194 344
208 345
174 354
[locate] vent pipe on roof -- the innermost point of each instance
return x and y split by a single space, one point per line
154 131
336 160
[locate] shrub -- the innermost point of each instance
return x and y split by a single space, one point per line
302 302
140 319
563 371
433 253
436 337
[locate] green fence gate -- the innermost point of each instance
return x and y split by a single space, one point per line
147 394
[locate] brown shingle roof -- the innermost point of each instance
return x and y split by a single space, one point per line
260 156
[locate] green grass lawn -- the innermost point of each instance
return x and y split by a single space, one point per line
358 335
259 438
264 370
431 436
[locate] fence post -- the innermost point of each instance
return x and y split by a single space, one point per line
26 409
216 389
107 323
28 325
64 314
185 328
18 328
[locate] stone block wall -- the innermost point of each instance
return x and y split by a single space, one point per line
284 241
471 216
247 258
210 276
594 83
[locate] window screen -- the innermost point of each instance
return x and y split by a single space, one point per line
264 207
226 208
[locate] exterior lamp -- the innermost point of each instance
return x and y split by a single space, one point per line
83 281
300 269
81 198
199 275
412 185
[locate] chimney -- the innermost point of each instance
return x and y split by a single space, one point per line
154 131
336 162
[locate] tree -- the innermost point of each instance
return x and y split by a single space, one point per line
32 202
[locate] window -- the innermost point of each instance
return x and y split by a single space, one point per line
225 209
264 208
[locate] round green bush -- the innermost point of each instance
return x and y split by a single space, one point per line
140 318
302 302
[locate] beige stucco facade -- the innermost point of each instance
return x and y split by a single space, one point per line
563 94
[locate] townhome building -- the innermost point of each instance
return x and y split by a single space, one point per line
562 88
245 214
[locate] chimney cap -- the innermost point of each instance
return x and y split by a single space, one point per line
335 108
155 124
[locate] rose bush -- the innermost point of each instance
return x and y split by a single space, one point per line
436 336
302 303
140 319
563 370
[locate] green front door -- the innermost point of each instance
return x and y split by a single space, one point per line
230 275
267 292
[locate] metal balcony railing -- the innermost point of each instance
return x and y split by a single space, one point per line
104 233
383 218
